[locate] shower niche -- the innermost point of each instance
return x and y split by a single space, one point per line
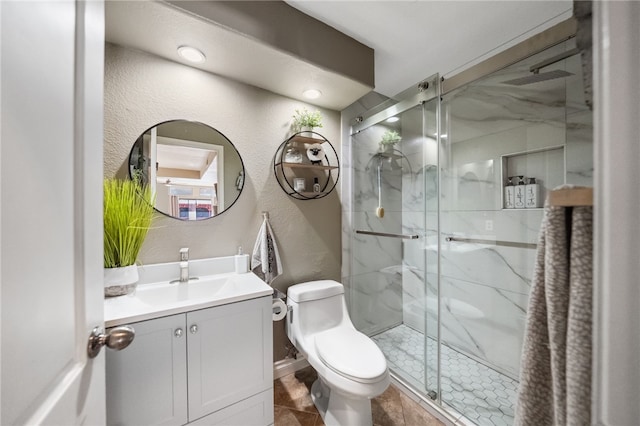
306 166
546 166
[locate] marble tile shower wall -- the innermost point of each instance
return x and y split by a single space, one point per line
419 205
384 273
374 274
484 288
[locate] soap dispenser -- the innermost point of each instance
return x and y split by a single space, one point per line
242 262
519 190
532 198
509 194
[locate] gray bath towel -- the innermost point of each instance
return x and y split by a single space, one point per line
555 370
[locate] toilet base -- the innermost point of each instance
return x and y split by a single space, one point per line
340 410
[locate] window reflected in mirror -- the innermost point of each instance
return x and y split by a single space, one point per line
194 170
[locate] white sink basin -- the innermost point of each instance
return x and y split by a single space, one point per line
163 298
164 293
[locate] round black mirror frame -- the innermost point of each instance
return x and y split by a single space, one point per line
239 181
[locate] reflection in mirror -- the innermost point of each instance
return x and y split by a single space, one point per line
194 170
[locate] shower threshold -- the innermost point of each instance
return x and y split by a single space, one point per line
481 394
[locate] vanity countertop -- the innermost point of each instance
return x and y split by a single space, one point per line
159 299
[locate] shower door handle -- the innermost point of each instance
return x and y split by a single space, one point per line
389 235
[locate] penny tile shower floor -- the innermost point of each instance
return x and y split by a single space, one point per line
481 394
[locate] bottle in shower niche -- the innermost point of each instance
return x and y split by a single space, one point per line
509 194
519 193
532 194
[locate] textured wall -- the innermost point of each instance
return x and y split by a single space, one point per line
142 90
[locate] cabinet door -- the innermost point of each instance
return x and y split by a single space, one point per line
147 382
230 354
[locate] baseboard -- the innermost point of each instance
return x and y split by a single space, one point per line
288 366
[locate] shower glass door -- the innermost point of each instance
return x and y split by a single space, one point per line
518 132
393 284
442 224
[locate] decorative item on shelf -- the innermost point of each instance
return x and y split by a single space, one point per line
299 184
316 185
292 155
305 121
315 153
127 215
388 141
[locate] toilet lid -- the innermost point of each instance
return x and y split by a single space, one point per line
350 353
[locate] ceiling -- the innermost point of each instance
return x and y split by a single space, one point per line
412 40
159 28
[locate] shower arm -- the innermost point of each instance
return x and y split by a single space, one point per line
535 68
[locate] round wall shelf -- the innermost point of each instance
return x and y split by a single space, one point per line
305 160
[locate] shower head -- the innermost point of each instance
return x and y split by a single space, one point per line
537 77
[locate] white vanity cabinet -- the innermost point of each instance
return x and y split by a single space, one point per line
207 367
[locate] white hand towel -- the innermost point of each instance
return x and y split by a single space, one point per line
265 260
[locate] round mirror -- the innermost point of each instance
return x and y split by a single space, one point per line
194 170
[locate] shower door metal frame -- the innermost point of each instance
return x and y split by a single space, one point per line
425 91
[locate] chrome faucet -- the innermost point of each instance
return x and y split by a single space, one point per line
184 265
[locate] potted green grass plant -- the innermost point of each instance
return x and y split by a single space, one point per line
305 121
128 212
389 139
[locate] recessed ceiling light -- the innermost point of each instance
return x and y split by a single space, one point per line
392 119
312 93
191 54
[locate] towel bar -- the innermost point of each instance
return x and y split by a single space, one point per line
386 234
492 242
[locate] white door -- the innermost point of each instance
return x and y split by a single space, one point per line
51 211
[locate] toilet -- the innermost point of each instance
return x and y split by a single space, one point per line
351 368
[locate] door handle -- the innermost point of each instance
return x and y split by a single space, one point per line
117 339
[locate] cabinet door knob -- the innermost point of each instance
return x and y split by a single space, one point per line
178 332
193 329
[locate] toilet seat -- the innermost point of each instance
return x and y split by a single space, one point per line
351 354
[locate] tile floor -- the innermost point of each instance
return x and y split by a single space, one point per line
293 405
481 394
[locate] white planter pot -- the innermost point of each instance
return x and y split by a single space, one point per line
120 281
308 132
387 148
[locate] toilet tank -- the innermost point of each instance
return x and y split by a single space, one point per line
317 305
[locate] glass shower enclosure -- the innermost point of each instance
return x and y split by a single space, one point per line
443 215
